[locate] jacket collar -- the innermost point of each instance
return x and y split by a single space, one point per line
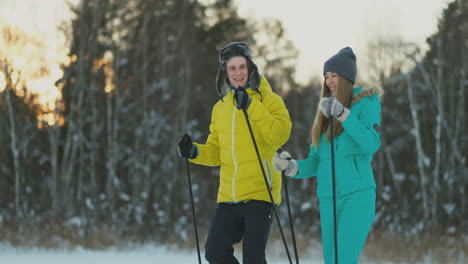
360 93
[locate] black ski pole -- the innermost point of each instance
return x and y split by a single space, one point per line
267 185
285 184
335 233
193 210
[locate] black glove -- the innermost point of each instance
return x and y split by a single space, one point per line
242 99
185 148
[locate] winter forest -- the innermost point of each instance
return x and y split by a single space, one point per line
100 168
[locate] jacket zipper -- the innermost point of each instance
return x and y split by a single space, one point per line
233 184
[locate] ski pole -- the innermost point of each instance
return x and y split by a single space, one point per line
193 210
285 184
266 182
335 233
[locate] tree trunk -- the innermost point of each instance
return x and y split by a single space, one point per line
421 157
14 145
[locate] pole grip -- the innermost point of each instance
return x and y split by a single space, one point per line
279 152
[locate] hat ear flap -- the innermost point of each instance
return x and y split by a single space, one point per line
221 83
254 76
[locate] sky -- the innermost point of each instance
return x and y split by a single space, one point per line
317 28
38 18
320 28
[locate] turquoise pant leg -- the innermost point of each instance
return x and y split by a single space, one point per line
355 214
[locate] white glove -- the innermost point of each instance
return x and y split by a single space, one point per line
330 104
284 162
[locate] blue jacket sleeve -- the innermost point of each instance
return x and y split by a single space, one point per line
308 167
364 127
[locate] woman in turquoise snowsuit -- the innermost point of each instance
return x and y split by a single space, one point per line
356 121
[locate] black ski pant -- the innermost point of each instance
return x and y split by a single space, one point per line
247 221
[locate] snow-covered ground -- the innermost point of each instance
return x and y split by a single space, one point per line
151 254
140 255
143 255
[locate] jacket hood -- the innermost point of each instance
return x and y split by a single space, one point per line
360 93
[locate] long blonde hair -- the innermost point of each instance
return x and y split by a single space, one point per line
344 94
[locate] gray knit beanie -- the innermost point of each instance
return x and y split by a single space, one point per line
234 49
343 63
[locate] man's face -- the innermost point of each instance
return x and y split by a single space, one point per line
237 71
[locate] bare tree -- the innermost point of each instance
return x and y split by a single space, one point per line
14 140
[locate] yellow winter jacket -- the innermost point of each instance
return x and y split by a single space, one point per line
230 145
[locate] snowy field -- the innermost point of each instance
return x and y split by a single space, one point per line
141 255
146 255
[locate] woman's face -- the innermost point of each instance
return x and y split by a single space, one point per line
237 71
332 80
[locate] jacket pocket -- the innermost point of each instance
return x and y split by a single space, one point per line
268 173
356 168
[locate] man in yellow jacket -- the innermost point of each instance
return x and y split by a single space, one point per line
244 210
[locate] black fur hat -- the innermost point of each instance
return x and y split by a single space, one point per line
234 49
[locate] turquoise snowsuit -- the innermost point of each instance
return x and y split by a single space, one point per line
355 184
